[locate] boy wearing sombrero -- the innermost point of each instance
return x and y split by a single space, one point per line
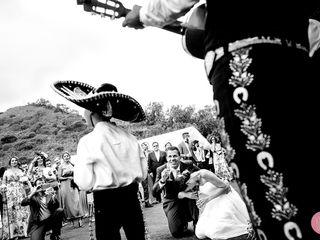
110 161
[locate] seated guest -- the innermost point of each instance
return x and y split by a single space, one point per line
45 212
171 178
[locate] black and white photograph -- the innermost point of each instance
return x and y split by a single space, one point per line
159 120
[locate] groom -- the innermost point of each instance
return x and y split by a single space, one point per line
171 179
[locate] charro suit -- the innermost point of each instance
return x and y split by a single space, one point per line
178 211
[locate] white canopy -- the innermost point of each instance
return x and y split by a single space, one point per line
175 138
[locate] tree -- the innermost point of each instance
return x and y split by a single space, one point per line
206 120
154 113
178 117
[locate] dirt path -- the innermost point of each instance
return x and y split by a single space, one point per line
156 222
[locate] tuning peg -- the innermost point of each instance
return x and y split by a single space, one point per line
93 13
113 16
102 15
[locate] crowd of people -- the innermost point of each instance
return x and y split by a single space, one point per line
175 173
42 196
25 184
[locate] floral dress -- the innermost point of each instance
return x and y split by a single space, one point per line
221 167
15 217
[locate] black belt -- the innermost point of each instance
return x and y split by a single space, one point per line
214 55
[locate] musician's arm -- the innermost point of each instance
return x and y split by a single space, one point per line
163 12
157 13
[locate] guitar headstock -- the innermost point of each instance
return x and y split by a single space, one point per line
105 8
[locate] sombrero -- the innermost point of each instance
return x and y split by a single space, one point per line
97 100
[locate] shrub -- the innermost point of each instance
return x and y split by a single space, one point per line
29 135
15 127
76 127
8 139
6 147
23 146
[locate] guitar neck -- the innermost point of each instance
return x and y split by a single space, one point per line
176 27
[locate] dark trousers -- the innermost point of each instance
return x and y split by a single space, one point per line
157 195
272 133
145 189
179 212
116 208
54 222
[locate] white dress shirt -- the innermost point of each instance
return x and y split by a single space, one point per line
108 157
157 153
162 12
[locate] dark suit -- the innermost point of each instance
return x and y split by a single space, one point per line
178 211
36 228
153 164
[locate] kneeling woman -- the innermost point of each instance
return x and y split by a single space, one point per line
223 214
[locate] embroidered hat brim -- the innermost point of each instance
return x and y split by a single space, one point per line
124 107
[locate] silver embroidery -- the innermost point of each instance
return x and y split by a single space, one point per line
256 140
239 65
277 196
251 127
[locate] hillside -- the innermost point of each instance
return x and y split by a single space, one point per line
26 129
52 129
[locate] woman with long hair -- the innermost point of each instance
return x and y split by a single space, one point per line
15 217
70 193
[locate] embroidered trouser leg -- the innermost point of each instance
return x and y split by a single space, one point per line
268 99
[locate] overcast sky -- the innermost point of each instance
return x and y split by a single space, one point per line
42 41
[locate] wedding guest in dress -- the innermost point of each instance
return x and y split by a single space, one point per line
198 154
49 173
167 145
70 193
56 164
15 217
36 166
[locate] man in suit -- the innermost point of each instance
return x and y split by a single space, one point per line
45 212
146 182
171 179
155 159
185 148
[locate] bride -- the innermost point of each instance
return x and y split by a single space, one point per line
223 214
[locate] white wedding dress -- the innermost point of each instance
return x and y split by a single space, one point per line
223 217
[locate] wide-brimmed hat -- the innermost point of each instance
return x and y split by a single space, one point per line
98 100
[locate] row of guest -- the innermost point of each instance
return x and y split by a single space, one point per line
182 203
19 180
191 152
